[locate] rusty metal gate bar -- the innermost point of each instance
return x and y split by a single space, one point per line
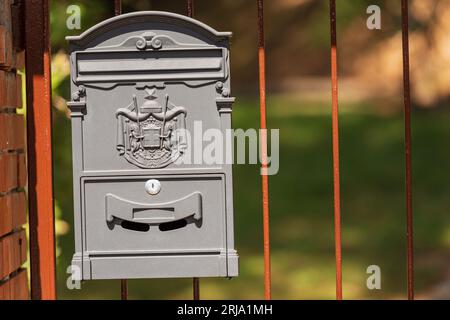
195 281
124 289
123 282
196 288
117 7
335 129
263 137
39 150
408 181
190 8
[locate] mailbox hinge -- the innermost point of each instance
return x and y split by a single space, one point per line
224 102
225 105
78 104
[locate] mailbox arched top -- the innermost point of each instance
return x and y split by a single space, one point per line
128 19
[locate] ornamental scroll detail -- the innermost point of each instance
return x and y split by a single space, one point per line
151 135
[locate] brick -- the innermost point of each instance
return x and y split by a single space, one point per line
20 243
10 90
7 52
18 209
17 25
4 132
5 13
3 268
21 170
18 131
9 57
16 247
6 216
15 288
2 45
19 101
21 291
12 132
12 287
5 291
13 212
13 252
9 171
19 60
7 258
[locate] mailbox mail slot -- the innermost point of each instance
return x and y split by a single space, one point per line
140 82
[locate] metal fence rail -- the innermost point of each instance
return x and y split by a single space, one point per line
39 153
263 126
408 182
123 282
195 281
336 167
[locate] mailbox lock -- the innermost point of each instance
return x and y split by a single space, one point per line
153 186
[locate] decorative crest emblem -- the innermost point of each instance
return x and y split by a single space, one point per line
147 135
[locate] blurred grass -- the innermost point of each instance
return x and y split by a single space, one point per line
373 210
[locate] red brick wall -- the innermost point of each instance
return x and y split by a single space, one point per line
13 172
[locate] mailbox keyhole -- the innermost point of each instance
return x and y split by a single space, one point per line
173 225
153 186
135 226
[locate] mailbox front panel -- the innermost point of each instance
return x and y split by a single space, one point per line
101 147
143 86
122 217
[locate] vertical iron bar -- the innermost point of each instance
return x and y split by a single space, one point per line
124 289
117 7
196 288
123 282
336 167
408 182
190 8
195 281
39 150
263 137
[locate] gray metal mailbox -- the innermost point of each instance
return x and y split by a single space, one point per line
140 82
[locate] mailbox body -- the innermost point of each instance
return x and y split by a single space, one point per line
139 81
